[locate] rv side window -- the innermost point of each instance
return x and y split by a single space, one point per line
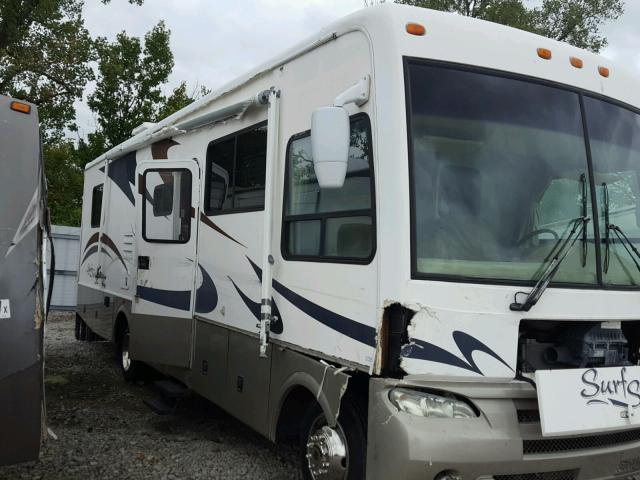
236 172
96 206
330 224
166 216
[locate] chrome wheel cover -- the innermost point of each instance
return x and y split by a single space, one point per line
126 359
327 453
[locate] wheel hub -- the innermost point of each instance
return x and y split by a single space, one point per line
126 359
327 454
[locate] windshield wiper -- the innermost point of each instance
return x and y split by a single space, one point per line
579 226
622 237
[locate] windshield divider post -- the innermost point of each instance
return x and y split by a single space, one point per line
595 216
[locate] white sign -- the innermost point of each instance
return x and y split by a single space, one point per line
5 309
588 400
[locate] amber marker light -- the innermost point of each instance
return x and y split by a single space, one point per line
545 53
604 71
576 62
21 107
416 29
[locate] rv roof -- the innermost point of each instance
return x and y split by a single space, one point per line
449 37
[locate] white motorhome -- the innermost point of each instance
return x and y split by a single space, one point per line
351 245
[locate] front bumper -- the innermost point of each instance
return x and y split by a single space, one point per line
504 443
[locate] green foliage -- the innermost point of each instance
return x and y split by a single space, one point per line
128 86
179 99
64 180
44 55
577 22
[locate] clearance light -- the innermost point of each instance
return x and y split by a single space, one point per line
416 29
545 53
576 62
604 71
21 107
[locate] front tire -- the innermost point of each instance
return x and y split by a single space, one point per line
338 453
132 370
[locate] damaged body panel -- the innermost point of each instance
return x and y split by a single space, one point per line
23 287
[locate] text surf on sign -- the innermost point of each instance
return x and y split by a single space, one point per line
620 390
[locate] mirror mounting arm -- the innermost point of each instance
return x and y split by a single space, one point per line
357 93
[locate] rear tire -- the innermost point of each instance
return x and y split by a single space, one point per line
132 370
341 450
82 333
77 327
91 335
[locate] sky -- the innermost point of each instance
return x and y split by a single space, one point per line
214 41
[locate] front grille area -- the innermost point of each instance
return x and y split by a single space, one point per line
528 416
552 445
563 475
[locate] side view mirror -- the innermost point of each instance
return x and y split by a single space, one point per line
330 140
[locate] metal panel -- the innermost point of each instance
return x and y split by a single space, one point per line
66 241
21 285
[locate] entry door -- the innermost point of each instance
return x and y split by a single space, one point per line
166 239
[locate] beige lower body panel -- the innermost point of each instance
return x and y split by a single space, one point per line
412 447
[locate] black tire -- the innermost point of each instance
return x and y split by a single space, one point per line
350 428
132 370
91 336
77 327
82 334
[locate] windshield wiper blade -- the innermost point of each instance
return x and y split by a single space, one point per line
607 230
583 192
626 243
579 225
622 237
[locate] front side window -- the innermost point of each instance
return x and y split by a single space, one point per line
330 224
499 173
96 205
236 172
167 211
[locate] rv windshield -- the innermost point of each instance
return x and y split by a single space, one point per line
499 171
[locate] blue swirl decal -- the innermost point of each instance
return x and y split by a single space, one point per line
206 295
468 345
357 331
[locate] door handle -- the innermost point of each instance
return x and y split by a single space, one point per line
143 262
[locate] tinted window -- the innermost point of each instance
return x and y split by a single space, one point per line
236 172
330 223
496 170
96 206
614 133
220 156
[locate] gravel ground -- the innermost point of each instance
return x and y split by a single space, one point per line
104 431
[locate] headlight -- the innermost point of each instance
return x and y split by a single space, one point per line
429 405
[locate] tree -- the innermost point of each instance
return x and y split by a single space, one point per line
64 180
179 99
45 52
128 85
577 22
44 55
